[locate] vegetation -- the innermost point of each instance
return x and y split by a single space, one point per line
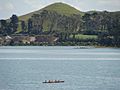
71 26
80 36
62 9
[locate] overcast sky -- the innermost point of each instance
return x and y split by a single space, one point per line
21 7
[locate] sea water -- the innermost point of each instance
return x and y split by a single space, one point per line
26 67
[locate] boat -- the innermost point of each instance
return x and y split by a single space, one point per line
54 81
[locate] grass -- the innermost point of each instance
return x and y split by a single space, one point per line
19 29
80 36
46 25
60 8
63 9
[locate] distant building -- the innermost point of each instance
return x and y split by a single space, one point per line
32 39
25 41
17 39
21 39
8 38
46 39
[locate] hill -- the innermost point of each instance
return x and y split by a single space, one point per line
69 25
61 8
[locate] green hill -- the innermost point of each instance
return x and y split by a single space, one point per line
60 8
68 24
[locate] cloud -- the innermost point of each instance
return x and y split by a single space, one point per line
38 4
86 5
9 6
30 2
34 3
109 1
6 9
6 6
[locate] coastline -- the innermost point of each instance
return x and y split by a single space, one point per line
75 47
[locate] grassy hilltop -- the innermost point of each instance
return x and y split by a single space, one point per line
61 8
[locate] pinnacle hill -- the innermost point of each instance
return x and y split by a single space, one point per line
60 8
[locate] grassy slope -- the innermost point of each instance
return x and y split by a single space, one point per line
80 36
60 8
63 9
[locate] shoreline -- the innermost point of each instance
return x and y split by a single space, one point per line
77 47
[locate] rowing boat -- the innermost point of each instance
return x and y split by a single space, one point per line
54 81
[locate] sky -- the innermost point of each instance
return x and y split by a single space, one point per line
21 7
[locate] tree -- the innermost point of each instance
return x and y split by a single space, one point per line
114 31
30 26
3 25
87 21
23 26
14 23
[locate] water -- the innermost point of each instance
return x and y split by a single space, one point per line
25 68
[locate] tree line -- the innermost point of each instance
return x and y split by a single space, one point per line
106 25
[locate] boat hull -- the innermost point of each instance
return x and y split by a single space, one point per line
54 82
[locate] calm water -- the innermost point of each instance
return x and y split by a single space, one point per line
25 68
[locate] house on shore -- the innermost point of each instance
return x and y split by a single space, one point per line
46 39
27 40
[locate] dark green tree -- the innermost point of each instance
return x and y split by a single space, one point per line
3 25
23 26
14 23
30 26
